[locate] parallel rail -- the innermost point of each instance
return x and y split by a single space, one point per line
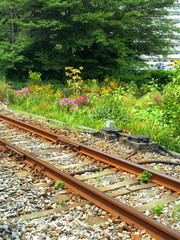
120 163
116 208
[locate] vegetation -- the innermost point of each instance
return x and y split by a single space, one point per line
145 176
103 41
105 36
58 185
146 109
175 212
62 202
122 179
158 209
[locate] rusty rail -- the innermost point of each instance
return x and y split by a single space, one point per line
116 208
158 178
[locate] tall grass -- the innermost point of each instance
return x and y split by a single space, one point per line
6 92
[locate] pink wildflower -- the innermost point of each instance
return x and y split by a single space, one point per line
72 101
82 99
24 90
62 103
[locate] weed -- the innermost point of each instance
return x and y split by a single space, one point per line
156 169
122 179
145 176
75 82
111 180
87 181
158 209
58 185
109 194
63 202
99 178
34 77
5 90
176 212
153 194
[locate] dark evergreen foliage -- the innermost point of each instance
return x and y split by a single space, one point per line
104 36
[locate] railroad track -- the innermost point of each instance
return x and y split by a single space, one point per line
33 208
96 176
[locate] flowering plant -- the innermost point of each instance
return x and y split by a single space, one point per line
82 100
73 104
5 103
75 82
23 93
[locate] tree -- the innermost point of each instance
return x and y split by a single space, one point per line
101 35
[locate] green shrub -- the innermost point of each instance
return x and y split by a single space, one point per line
158 209
162 77
58 185
35 77
145 176
171 105
109 107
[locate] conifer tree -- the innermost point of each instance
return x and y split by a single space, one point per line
101 35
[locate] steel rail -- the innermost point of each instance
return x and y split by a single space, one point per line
116 208
120 163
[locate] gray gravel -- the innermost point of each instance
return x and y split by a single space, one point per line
31 208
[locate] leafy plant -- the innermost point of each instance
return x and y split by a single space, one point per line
63 202
87 181
175 212
152 194
158 209
171 107
35 77
111 180
75 82
122 179
5 89
69 104
156 169
145 176
99 177
110 107
58 185
152 86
